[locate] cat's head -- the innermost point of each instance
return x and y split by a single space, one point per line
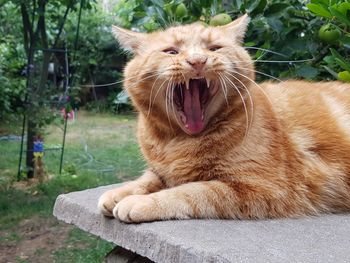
184 76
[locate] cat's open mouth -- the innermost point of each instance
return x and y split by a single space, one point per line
191 99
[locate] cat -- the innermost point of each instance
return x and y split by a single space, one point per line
220 146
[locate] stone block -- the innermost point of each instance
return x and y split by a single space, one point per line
325 238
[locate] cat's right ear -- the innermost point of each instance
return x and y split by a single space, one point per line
238 28
129 40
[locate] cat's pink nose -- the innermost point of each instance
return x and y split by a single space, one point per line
197 61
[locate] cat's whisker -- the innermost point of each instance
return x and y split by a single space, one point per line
174 64
226 90
244 105
275 61
150 96
249 95
223 88
135 84
120 81
251 70
166 103
257 85
266 50
251 80
256 71
154 99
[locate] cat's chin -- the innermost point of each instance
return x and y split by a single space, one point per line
192 99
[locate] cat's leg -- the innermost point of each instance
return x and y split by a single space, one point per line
210 199
147 183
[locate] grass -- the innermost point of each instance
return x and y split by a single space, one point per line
91 252
100 149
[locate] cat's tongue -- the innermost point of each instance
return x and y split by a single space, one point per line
192 108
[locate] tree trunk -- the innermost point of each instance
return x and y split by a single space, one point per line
30 146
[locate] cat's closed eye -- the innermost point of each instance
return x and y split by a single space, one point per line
171 51
214 48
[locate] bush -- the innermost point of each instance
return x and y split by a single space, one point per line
336 18
12 62
280 30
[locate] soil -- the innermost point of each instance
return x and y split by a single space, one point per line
35 240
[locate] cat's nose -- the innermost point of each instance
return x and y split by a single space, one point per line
197 61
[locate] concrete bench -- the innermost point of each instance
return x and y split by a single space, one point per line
318 239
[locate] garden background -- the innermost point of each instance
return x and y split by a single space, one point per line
286 38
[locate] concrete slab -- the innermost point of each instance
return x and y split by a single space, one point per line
319 239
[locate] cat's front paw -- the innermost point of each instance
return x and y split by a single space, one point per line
111 198
136 209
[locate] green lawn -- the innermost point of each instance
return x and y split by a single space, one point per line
100 149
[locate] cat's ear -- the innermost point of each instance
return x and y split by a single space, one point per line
238 27
129 40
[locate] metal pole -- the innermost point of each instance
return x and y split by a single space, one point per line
21 150
64 139
68 84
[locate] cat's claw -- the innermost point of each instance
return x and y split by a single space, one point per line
111 198
106 204
136 209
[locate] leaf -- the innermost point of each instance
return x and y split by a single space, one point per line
343 64
319 10
276 9
325 2
342 18
250 44
92 61
328 59
345 40
260 7
344 8
251 5
275 24
306 71
344 76
340 60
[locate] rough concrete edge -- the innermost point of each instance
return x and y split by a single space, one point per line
138 242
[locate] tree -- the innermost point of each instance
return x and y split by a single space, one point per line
42 27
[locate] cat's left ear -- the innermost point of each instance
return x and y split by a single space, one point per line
129 40
238 27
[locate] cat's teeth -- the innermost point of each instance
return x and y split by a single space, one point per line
183 117
187 84
208 82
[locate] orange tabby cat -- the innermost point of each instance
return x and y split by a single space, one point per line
217 144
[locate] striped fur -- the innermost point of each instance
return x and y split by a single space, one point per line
294 161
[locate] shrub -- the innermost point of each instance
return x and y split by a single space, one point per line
280 30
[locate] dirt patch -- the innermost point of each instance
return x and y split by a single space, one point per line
33 240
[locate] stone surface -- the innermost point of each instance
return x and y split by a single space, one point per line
317 239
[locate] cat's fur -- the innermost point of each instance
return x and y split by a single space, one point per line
294 160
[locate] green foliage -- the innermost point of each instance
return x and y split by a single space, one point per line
150 15
12 61
97 55
94 62
291 28
83 248
282 26
336 16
